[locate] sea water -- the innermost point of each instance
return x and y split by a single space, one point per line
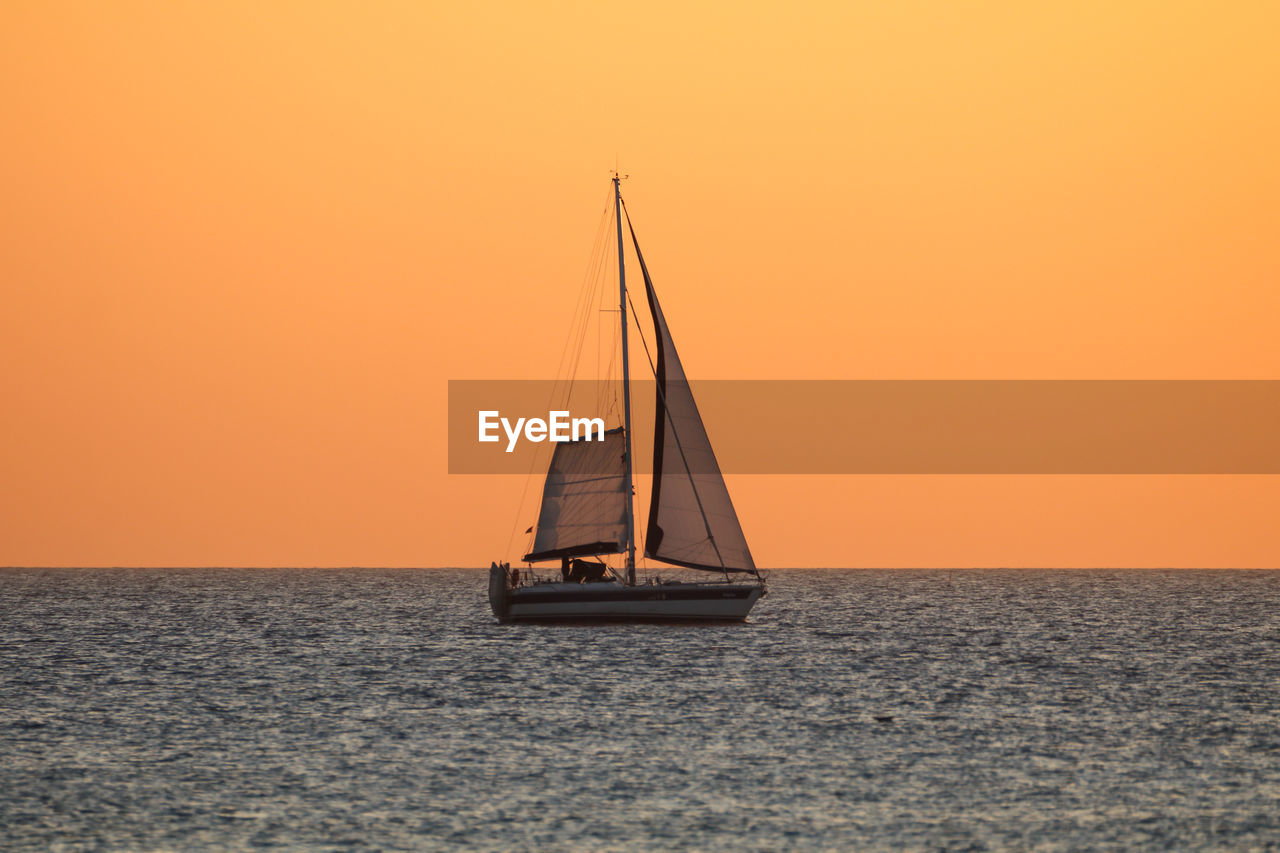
370 709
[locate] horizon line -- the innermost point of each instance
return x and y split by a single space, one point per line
673 568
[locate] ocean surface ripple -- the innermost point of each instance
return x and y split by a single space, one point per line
379 709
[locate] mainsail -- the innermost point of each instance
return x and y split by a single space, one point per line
692 522
583 501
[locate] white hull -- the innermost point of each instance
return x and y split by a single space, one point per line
568 602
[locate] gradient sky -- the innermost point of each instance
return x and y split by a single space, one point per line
243 246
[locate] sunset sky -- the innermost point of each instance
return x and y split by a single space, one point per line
244 246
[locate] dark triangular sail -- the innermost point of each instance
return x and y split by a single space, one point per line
692 522
584 500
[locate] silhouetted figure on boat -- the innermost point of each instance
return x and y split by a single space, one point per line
582 571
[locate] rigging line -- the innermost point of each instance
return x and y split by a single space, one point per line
601 229
578 312
602 279
599 353
587 313
582 306
606 398
610 386
608 382
599 343
577 337
597 280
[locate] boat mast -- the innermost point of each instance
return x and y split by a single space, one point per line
626 386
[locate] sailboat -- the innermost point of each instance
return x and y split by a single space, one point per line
588 510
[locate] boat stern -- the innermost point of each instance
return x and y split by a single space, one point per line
499 592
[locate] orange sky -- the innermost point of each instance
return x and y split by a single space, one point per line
243 246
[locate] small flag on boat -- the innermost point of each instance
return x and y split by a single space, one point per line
530 530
